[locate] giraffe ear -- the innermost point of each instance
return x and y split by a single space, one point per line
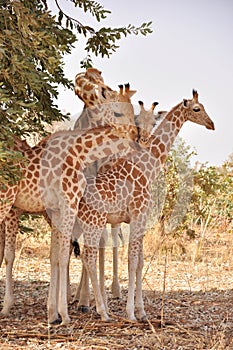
185 103
76 90
130 93
195 95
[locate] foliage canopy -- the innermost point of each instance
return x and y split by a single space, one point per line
33 43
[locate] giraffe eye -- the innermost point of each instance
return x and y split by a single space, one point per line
118 114
103 92
196 109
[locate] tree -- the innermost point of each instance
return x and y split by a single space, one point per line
213 194
103 41
33 43
172 189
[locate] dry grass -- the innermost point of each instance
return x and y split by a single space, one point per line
191 292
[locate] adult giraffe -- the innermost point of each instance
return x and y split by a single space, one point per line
47 183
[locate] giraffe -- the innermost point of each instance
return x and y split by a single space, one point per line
123 194
145 122
53 179
107 112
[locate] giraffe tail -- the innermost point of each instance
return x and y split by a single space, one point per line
76 248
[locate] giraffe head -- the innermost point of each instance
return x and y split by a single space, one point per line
94 75
145 121
122 112
104 105
195 112
90 88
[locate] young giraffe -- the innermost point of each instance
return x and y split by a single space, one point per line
145 121
123 194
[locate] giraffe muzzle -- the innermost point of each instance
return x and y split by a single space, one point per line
210 126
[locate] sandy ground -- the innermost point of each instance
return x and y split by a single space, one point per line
193 300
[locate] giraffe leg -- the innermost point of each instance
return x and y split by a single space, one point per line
89 257
84 291
6 206
132 266
116 289
101 276
78 289
69 294
53 317
135 265
2 241
102 244
11 229
139 304
68 218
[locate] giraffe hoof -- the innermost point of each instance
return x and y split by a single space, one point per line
106 319
143 318
84 309
57 321
133 319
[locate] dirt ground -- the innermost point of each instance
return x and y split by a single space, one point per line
189 303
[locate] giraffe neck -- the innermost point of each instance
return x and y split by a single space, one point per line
62 159
164 136
151 159
119 115
100 142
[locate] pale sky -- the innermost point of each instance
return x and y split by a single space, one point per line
191 47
